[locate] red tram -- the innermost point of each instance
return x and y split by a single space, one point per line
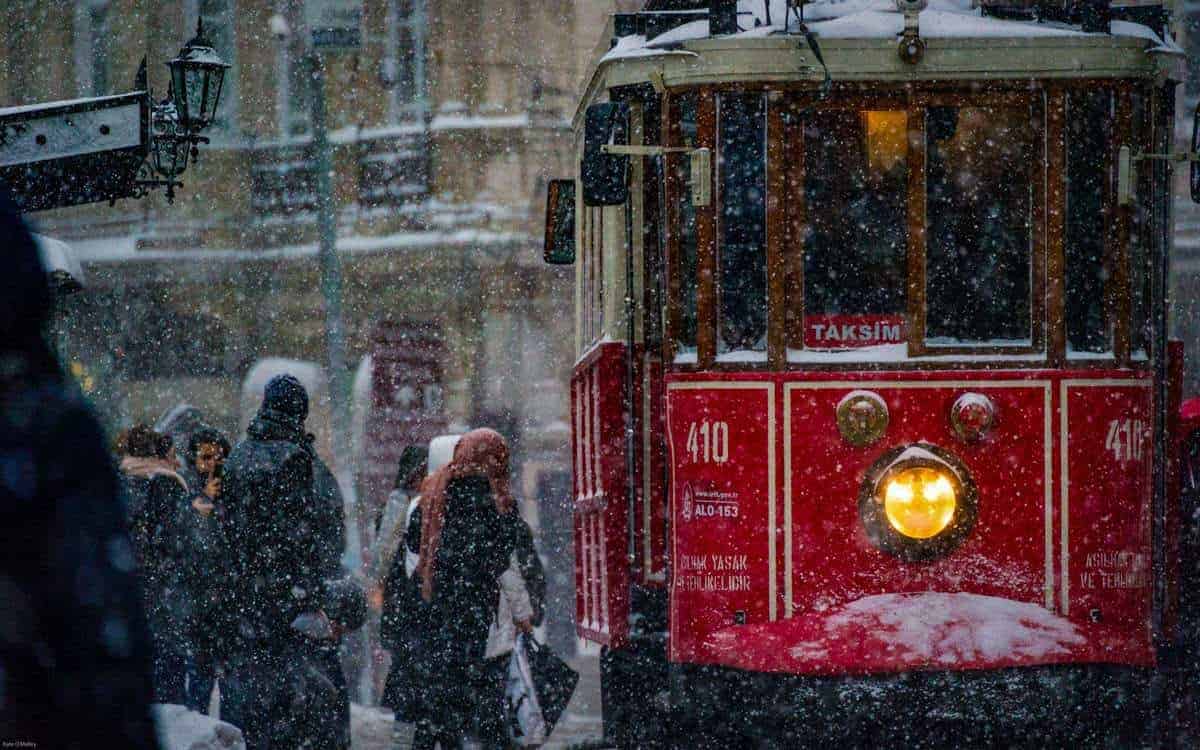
872 415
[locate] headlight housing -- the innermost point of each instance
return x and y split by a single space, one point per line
918 502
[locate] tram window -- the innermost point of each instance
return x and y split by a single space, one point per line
1141 231
856 203
685 264
742 258
652 227
979 243
1088 132
593 272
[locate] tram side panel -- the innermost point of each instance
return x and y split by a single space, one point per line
600 511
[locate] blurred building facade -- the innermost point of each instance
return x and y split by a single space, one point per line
445 126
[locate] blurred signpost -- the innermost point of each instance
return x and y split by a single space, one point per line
333 26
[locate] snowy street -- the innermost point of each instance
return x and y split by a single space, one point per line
579 726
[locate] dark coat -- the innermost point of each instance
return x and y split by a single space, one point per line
530 564
74 647
331 525
155 504
270 521
205 573
404 627
446 637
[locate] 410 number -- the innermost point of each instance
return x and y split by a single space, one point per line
708 442
1126 439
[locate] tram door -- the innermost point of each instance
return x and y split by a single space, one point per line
619 459
645 240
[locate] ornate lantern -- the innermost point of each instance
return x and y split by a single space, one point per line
197 75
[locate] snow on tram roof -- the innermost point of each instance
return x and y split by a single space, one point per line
876 19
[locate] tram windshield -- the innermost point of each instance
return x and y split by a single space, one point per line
953 188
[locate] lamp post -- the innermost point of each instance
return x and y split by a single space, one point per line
331 275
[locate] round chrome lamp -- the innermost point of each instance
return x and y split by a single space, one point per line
918 502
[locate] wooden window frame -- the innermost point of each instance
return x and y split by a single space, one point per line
790 265
786 218
674 188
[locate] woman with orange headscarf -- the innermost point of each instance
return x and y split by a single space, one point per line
466 570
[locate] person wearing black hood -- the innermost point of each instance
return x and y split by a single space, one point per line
74 646
272 523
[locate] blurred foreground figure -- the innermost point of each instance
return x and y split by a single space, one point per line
74 650
277 687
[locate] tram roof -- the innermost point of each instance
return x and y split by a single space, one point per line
858 40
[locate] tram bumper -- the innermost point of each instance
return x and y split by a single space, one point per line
1046 706
922 669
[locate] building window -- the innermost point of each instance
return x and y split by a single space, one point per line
404 60
92 47
293 76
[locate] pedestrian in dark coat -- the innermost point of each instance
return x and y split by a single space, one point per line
74 647
271 520
403 625
467 544
204 561
157 497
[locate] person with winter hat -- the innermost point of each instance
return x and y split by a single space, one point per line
157 495
271 521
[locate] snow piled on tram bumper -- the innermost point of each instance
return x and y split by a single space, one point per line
929 630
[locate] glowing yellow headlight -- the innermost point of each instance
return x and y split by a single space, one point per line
919 502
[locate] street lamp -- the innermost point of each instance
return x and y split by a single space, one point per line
197 78
197 75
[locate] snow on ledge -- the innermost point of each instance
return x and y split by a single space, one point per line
181 729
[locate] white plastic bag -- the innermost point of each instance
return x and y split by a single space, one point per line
523 715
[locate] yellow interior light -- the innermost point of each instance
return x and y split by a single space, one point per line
919 502
887 139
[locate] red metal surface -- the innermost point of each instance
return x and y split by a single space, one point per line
770 535
650 516
600 502
1172 529
837 643
406 402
